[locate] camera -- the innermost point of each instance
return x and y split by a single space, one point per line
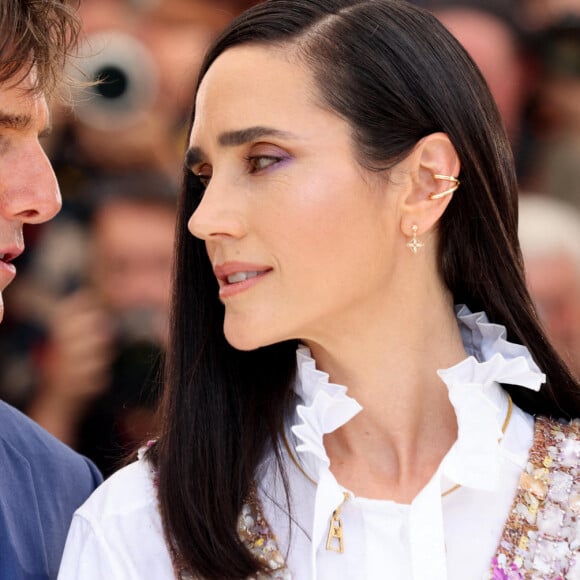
120 79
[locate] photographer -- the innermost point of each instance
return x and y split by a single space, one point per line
92 379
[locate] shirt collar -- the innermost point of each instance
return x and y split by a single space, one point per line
474 391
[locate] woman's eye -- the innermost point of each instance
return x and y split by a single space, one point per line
260 162
204 179
203 175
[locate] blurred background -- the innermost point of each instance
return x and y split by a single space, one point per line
87 318
86 322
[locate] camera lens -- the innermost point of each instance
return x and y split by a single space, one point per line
112 82
124 81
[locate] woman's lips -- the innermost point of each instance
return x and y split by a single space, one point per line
237 277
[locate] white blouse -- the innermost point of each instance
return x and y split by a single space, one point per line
117 533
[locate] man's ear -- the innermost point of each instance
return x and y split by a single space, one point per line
433 166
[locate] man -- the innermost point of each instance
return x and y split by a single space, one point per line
41 481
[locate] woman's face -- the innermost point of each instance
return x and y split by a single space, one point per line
300 236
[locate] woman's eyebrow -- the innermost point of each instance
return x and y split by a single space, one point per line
236 138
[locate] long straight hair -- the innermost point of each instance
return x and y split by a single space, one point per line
395 74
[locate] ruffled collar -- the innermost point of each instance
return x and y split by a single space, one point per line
478 399
474 391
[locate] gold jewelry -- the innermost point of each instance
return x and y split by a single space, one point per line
415 243
504 427
449 191
335 530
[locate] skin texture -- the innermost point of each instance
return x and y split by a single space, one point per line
328 239
29 192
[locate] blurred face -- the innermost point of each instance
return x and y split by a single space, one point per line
492 46
28 189
554 283
300 236
133 247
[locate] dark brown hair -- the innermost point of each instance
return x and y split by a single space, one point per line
395 74
36 34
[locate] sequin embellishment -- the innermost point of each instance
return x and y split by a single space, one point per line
541 538
255 533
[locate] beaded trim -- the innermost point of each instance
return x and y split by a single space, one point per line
255 534
541 538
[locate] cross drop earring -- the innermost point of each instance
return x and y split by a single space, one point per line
414 244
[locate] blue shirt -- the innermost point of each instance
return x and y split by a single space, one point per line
42 482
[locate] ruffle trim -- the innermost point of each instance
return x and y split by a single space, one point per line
326 408
474 391
479 401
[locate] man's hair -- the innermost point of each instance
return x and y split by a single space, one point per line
36 34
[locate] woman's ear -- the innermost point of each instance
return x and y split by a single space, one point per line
433 166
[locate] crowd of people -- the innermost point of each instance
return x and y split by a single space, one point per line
318 261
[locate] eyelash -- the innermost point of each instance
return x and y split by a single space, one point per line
251 160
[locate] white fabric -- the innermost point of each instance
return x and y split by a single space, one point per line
117 533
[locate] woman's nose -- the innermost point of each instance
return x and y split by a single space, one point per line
220 214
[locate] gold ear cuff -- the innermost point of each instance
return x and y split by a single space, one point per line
449 191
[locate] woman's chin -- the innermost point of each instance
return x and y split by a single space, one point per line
248 339
243 340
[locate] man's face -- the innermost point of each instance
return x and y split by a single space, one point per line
28 189
132 244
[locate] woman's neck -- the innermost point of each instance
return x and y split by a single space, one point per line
392 448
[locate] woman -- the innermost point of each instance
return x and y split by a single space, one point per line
327 145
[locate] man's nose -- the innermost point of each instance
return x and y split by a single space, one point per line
31 192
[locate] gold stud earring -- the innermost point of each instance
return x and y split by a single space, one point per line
449 191
414 244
